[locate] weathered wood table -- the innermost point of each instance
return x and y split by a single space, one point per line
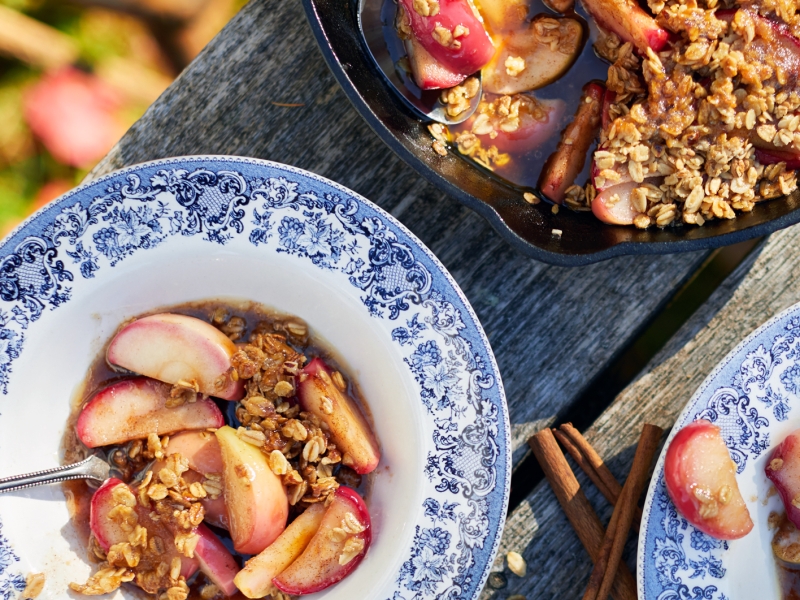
261 89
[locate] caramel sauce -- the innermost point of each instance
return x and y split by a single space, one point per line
524 168
100 374
786 549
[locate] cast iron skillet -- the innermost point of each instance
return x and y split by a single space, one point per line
528 228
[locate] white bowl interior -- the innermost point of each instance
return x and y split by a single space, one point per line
58 351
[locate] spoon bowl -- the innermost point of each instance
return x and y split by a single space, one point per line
376 20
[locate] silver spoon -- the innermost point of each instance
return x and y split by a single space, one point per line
93 468
376 20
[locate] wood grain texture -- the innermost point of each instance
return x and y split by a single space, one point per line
552 329
762 286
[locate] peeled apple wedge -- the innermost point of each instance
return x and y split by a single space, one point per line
133 408
201 449
542 65
348 428
257 504
331 554
255 579
427 71
174 348
613 205
701 480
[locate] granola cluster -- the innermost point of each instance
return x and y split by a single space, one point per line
152 554
297 443
503 113
685 125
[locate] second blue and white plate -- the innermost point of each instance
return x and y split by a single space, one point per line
753 395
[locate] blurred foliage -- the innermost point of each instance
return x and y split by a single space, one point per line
101 35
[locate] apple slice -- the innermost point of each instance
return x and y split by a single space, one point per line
566 163
108 532
255 579
619 210
541 64
429 73
215 561
783 469
531 132
173 348
257 504
133 408
627 19
200 448
503 15
701 480
349 429
452 32
342 540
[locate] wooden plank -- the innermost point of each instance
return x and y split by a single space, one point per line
553 329
763 285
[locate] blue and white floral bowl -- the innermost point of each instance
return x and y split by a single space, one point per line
753 395
185 229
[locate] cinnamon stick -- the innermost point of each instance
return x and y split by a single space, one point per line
601 565
585 465
634 485
592 464
577 508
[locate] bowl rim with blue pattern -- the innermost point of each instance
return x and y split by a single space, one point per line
751 395
190 228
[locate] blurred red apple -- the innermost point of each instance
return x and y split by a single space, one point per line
74 115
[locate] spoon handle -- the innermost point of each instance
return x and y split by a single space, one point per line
93 467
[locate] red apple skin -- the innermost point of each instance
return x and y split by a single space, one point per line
108 533
255 579
255 497
349 429
698 465
215 561
171 348
629 22
133 408
783 469
427 71
476 48
75 115
771 157
318 566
